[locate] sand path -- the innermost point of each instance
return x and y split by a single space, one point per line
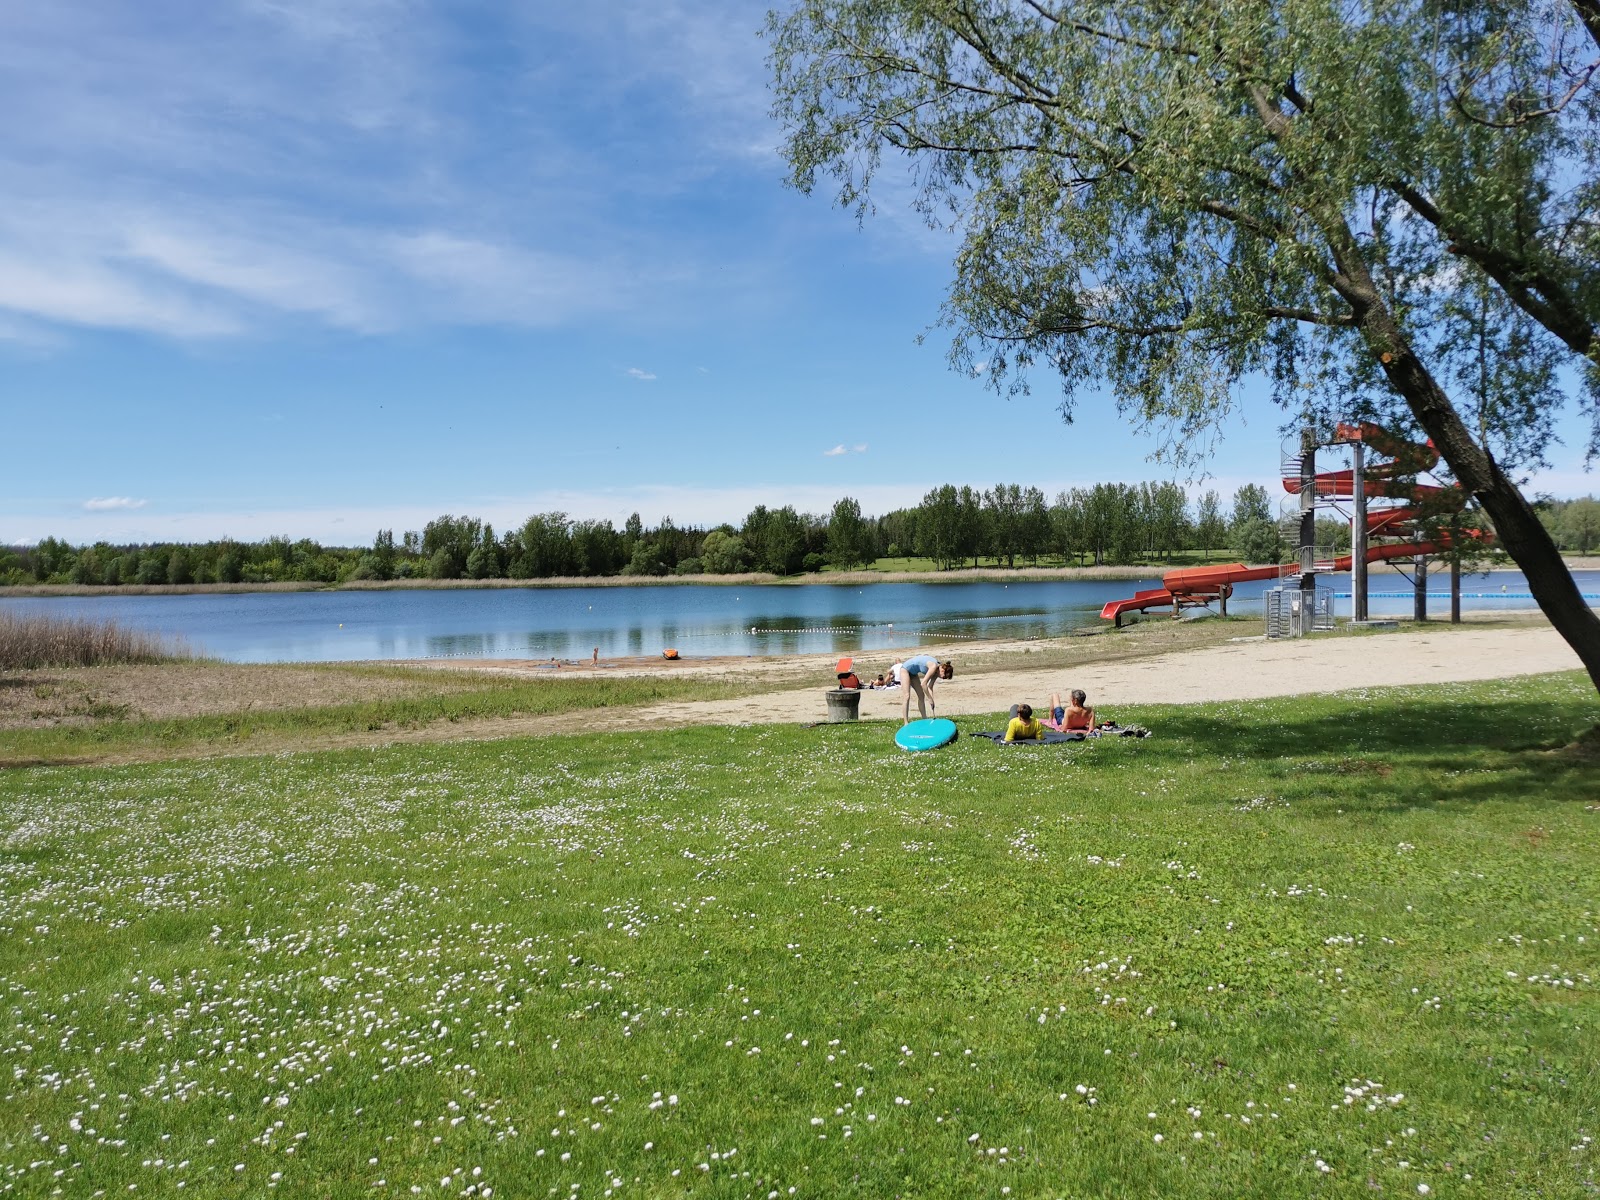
1243 670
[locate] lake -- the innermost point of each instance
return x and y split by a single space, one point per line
543 623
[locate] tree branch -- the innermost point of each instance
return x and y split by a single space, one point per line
1541 295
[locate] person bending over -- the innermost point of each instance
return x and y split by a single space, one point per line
918 675
1023 726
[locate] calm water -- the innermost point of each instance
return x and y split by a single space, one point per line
542 623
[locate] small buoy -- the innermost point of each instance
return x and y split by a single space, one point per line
752 629
341 623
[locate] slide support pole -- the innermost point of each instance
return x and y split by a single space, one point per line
1308 525
1358 536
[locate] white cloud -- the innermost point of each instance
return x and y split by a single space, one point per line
638 373
112 503
835 452
859 448
329 161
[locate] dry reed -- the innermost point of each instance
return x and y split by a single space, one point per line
28 642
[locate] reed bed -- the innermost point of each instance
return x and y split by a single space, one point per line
29 642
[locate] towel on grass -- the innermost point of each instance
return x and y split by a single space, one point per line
1050 737
1056 737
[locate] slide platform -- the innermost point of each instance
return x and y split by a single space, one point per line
1201 585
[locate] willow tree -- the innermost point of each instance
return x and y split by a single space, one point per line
1385 208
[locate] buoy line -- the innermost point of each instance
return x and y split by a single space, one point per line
957 637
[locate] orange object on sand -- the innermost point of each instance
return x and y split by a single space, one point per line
669 654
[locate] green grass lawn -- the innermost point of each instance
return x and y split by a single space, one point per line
1336 947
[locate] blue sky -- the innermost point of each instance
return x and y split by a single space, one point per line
321 268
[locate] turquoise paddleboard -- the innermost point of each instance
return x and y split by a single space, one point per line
928 734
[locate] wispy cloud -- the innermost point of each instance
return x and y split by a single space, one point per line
841 448
112 503
639 373
222 173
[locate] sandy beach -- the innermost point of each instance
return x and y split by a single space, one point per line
1247 668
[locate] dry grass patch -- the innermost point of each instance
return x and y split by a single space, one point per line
167 691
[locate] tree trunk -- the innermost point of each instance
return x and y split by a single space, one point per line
1516 524
1518 527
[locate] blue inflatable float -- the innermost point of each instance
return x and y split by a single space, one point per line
927 734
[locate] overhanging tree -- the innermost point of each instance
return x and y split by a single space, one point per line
1387 209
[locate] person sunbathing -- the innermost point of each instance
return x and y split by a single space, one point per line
1075 717
1023 726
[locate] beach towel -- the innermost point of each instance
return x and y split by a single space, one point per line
1051 737
1057 737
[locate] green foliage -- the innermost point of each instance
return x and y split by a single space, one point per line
1209 527
1251 503
383 555
1575 524
1257 541
646 560
848 543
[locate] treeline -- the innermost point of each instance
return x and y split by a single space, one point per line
1008 525
1575 524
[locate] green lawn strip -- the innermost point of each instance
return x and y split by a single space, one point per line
239 728
1349 941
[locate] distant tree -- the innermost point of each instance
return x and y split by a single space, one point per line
1002 511
178 569
1580 524
544 547
1210 530
1033 538
383 555
646 560
1067 536
1257 541
230 564
1168 517
1250 503
939 527
152 566
446 543
724 553
847 534
596 548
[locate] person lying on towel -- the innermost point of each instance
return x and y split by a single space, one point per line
1022 725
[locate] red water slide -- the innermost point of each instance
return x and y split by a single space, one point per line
1392 480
